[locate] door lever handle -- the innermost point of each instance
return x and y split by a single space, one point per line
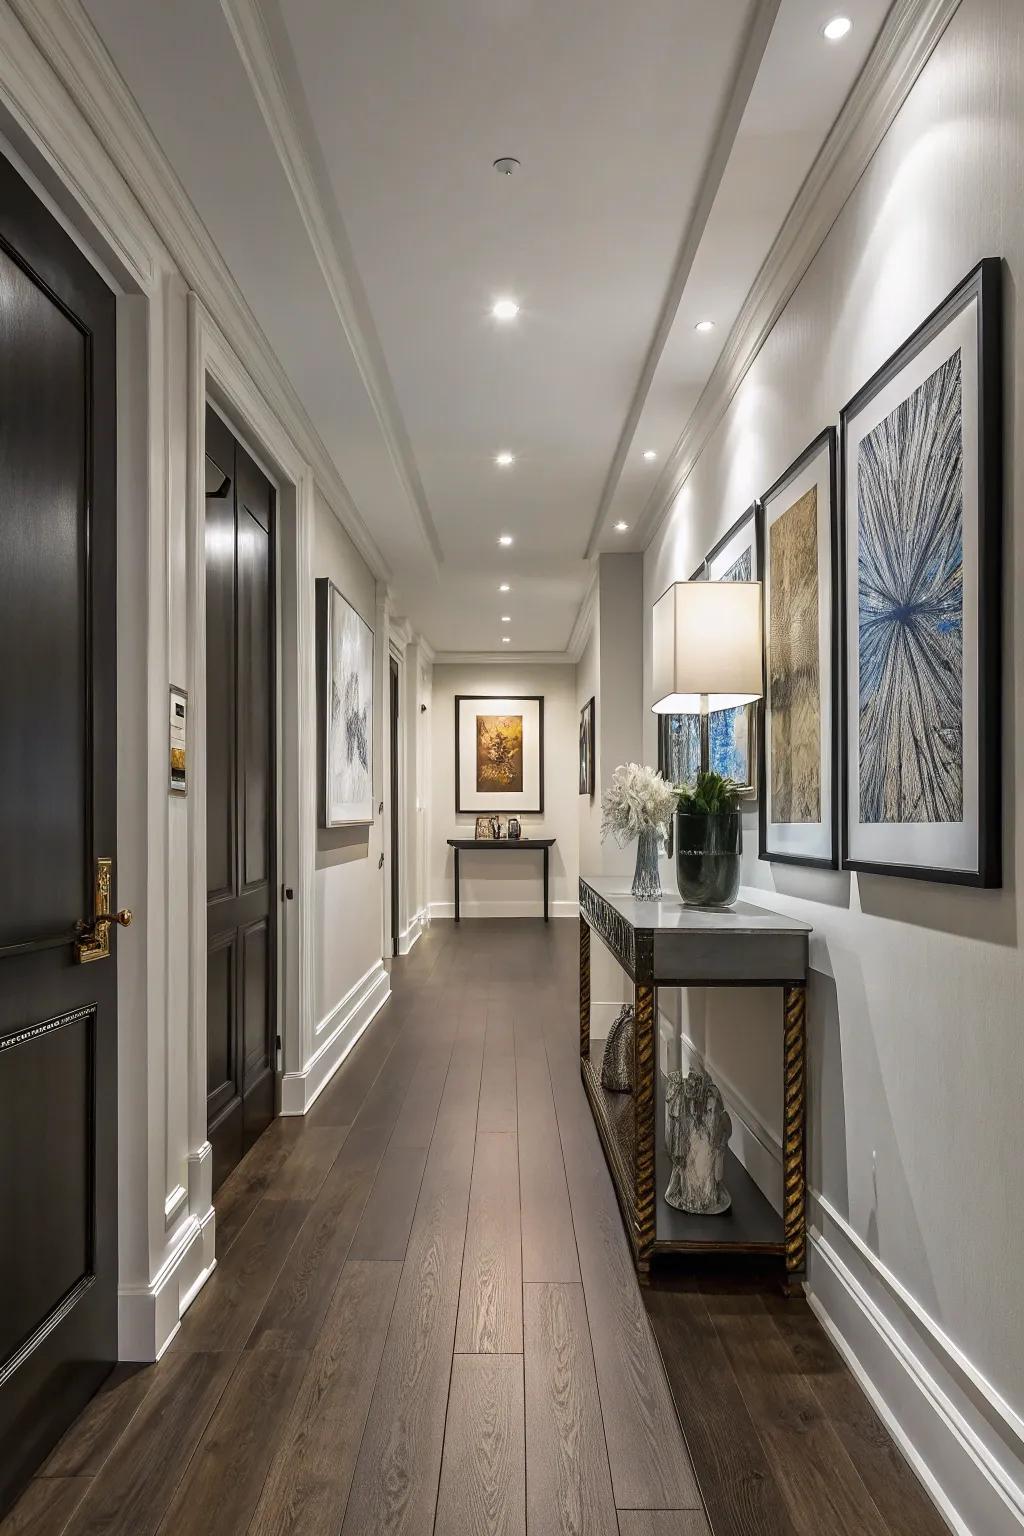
93 942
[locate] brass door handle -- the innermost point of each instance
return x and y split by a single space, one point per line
93 941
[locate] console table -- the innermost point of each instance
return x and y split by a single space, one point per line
542 845
665 944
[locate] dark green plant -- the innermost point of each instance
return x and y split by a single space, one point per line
709 795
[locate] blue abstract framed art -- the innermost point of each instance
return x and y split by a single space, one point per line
921 533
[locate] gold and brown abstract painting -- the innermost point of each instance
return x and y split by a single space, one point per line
794 679
499 754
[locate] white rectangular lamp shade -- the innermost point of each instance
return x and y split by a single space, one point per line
707 646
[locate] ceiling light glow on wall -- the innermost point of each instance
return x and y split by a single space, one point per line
504 459
649 454
621 527
506 618
504 309
505 539
505 640
837 28
703 326
504 587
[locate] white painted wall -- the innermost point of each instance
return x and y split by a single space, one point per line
917 994
507 884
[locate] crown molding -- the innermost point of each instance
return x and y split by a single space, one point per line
906 42
247 23
503 659
726 128
580 632
68 41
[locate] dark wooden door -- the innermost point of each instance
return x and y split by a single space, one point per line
241 995
395 850
58 765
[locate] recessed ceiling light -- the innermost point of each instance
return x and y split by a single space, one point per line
504 309
505 640
704 326
837 28
621 527
649 454
506 618
505 459
504 587
505 539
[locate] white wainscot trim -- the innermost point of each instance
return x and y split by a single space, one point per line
534 908
149 1316
336 1033
407 938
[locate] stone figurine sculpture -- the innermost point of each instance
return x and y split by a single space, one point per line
617 1062
697 1131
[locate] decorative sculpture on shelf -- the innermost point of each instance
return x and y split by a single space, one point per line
514 829
697 1131
617 1062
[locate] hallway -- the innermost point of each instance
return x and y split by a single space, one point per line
424 1319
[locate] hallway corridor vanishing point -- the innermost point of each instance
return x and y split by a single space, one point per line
424 1319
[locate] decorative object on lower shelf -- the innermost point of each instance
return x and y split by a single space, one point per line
697 1131
514 830
708 838
617 1061
639 803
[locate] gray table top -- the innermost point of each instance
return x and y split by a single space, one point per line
670 916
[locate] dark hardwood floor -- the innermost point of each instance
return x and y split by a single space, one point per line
424 1319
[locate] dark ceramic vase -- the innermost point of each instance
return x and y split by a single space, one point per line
707 850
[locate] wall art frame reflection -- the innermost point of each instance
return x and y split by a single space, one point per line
344 660
921 465
798 726
499 754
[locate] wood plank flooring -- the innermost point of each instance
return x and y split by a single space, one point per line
424 1321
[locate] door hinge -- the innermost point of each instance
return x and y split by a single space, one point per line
287 894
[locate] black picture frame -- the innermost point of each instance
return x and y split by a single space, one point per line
983 285
587 752
494 810
825 440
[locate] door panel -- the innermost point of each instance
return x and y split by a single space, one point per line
58 1020
241 904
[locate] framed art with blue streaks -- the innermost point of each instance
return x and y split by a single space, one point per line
921 537
798 736
732 733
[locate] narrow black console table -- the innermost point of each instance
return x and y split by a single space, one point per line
665 944
501 845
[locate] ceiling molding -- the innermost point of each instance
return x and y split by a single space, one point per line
67 39
726 128
580 632
247 22
903 47
503 659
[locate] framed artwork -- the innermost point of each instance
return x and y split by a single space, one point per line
732 733
499 754
487 829
587 775
798 729
680 745
345 709
921 535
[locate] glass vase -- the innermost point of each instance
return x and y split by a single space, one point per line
646 876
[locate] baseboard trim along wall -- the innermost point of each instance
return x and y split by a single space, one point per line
148 1316
336 1034
408 937
535 908
965 1444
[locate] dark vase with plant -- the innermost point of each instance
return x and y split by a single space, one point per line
708 838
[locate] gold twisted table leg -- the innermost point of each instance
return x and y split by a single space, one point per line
794 1144
584 987
643 1135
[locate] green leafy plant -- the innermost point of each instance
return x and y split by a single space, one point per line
709 795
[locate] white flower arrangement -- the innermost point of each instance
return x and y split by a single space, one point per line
638 800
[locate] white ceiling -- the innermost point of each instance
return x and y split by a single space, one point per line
661 143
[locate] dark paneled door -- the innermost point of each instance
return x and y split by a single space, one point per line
241 995
58 766
395 850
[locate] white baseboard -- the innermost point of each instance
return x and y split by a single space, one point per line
337 1033
416 926
148 1316
504 908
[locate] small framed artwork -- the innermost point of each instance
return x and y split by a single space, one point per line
680 740
921 537
587 776
499 754
487 829
732 733
798 741
345 709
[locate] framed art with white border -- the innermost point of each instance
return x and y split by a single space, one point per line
344 659
798 813
499 754
921 536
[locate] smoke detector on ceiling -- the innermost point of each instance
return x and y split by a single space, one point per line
506 165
